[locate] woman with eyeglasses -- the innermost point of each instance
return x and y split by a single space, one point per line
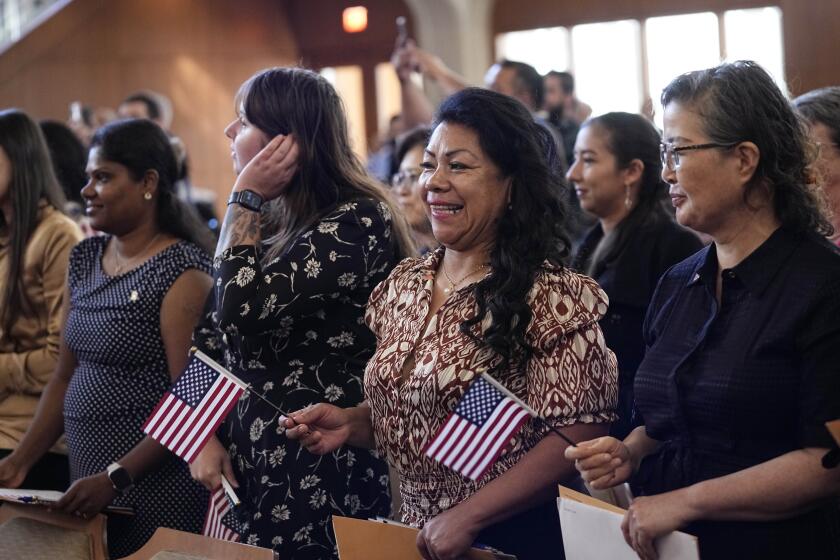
743 342
821 108
406 189
617 177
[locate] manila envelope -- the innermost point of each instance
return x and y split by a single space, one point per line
374 540
834 428
592 531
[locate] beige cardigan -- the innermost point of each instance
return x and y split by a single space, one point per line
29 351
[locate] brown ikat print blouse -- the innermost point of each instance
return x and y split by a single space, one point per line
571 378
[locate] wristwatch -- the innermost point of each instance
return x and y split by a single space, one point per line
120 479
248 199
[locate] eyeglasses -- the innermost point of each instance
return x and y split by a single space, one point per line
670 154
405 178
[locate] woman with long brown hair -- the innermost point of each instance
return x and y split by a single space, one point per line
306 237
35 243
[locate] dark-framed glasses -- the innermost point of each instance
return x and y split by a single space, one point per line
670 154
405 178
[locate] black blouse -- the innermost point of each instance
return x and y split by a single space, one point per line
629 279
732 386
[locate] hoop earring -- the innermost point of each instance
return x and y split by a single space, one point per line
147 195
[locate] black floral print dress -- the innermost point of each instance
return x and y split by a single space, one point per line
294 329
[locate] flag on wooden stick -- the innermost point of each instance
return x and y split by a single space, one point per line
189 413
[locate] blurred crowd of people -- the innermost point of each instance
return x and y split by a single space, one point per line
667 299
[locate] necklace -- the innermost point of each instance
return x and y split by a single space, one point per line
452 283
120 262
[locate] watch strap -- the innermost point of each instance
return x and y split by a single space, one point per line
246 198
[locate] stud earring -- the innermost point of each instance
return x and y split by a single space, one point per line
147 196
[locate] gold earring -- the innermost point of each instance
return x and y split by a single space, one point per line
147 195
628 202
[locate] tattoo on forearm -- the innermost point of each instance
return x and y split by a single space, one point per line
241 227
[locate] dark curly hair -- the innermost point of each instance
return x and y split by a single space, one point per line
531 231
739 102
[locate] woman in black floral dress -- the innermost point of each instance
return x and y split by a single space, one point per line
292 277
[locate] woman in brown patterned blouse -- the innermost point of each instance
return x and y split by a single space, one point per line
494 297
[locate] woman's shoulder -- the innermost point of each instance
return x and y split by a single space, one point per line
89 247
363 210
184 255
570 298
55 227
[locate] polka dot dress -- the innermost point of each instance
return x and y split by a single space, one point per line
114 331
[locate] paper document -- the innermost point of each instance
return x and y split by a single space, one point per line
592 531
358 539
46 498
30 496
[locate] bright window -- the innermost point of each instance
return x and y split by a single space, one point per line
545 49
608 79
613 74
347 81
756 34
676 45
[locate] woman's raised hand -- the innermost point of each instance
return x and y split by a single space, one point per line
602 462
272 169
320 428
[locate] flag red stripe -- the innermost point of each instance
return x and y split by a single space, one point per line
442 434
456 436
164 413
185 429
151 419
168 429
234 391
499 445
206 423
490 431
465 443
469 454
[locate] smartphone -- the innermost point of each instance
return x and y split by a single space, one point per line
76 112
402 31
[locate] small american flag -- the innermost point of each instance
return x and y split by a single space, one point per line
189 413
479 428
221 521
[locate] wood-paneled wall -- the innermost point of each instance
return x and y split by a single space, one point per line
197 52
810 27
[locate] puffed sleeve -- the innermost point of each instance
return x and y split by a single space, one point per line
383 301
572 376
330 261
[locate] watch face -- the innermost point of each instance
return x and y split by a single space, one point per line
120 479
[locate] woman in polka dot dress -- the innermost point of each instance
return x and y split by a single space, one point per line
135 296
